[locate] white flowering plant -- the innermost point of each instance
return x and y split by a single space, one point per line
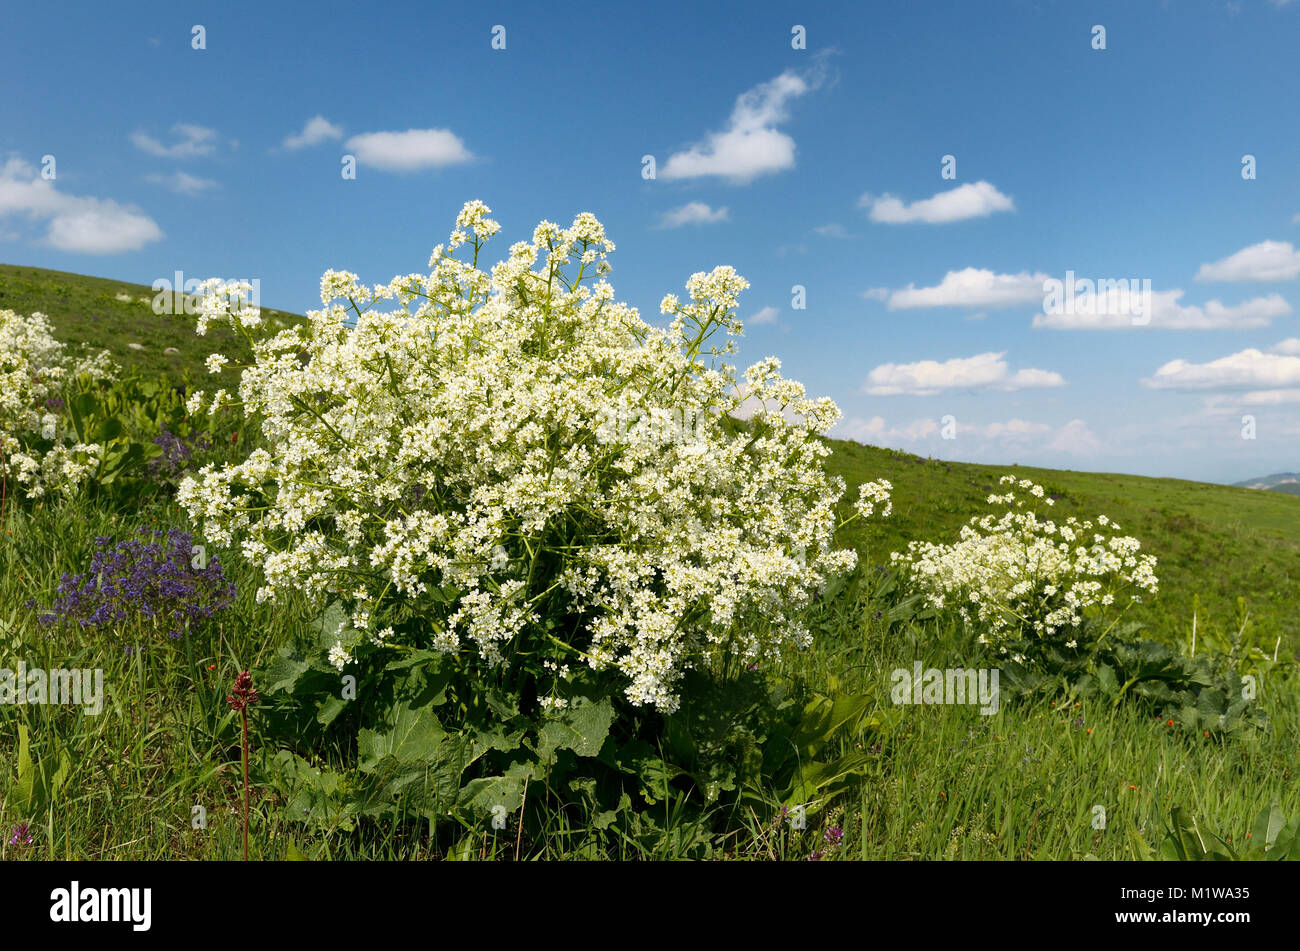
1024 582
40 451
509 478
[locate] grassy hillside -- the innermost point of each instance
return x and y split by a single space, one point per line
90 309
936 781
1221 542
1216 541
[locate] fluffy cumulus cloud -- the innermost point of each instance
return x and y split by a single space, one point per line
182 183
191 141
1076 438
977 200
987 371
1266 261
751 144
1124 309
83 225
317 130
972 288
1289 346
693 213
1248 369
408 151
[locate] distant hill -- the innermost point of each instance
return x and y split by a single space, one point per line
1278 482
118 317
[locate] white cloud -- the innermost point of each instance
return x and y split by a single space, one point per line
1270 397
182 182
976 200
971 438
1074 437
750 145
767 315
877 432
877 293
408 151
1012 431
693 213
1246 370
194 141
1167 314
973 288
317 130
929 377
1266 261
83 225
1289 346
832 230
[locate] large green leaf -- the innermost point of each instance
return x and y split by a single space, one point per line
413 735
483 795
581 727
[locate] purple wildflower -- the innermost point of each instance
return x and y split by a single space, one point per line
21 835
149 579
176 455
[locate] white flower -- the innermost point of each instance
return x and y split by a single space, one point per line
517 437
33 367
1023 580
339 657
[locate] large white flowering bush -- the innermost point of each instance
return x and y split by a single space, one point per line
39 450
1018 577
513 468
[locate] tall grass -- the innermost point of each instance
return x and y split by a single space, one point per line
945 781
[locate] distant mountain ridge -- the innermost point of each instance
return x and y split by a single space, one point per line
1278 482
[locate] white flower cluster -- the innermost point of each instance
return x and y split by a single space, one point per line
1017 574
461 442
39 452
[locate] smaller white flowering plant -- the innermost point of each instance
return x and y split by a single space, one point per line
1023 582
40 453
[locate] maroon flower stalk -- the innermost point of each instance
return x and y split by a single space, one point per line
243 695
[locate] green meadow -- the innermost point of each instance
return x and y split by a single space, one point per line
157 773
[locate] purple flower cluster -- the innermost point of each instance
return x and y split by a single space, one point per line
142 579
176 455
21 835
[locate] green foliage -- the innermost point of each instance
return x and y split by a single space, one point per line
418 740
37 783
125 417
1203 695
1272 838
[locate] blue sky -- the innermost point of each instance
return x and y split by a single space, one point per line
818 167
